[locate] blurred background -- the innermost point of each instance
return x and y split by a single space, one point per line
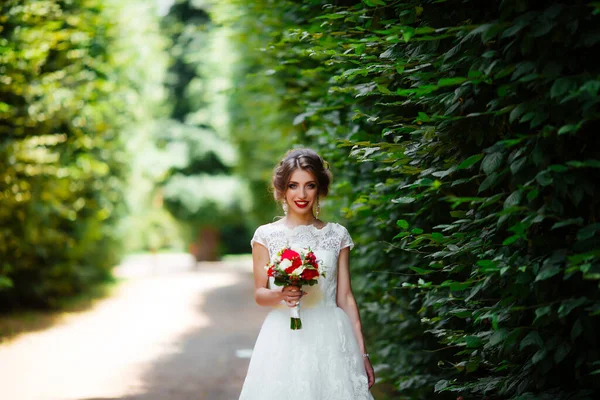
462 136
121 134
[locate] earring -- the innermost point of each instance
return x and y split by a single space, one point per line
317 209
284 205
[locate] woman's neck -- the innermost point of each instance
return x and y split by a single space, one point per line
295 220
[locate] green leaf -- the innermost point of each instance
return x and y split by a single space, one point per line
487 31
473 341
517 112
472 365
567 306
541 311
558 168
502 90
437 236
516 165
544 178
333 16
402 223
403 200
421 271
407 33
568 129
492 162
374 3
533 194
513 199
510 240
561 352
487 263
567 222
456 286
560 87
547 272
539 356
451 81
576 330
588 231
423 117
488 182
498 337
532 339
469 162
5 282
461 313
441 385
584 164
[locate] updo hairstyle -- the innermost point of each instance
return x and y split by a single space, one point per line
307 160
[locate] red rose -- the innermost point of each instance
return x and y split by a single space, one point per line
289 254
296 262
313 261
309 274
270 270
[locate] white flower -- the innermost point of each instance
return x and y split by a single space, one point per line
284 264
298 270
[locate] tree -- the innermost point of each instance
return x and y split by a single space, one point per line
68 93
198 188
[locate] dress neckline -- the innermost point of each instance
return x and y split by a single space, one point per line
300 227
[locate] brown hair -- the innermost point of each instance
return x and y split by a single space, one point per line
307 160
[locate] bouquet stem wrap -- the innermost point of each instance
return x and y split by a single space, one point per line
295 321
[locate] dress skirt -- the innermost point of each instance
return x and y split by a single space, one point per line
321 361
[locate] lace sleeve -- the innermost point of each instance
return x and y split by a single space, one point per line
346 239
258 237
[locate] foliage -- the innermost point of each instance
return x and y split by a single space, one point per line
198 188
257 108
70 86
471 130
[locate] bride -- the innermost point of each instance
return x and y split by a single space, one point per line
327 358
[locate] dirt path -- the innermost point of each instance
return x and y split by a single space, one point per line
170 332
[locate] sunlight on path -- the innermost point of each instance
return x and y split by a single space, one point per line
104 352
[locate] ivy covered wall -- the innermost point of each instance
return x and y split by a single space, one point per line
462 137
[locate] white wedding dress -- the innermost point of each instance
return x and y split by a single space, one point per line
321 361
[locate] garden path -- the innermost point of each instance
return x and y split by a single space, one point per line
173 330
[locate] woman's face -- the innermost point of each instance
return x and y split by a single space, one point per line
301 192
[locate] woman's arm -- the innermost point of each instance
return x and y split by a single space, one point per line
346 301
262 294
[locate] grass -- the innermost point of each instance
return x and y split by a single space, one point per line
18 322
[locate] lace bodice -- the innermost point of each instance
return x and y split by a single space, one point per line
326 244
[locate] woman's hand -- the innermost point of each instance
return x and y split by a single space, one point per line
370 371
291 295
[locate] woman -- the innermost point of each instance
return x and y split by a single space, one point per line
327 358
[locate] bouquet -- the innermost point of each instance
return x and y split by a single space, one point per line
295 267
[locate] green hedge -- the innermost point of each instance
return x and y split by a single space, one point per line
69 87
470 186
